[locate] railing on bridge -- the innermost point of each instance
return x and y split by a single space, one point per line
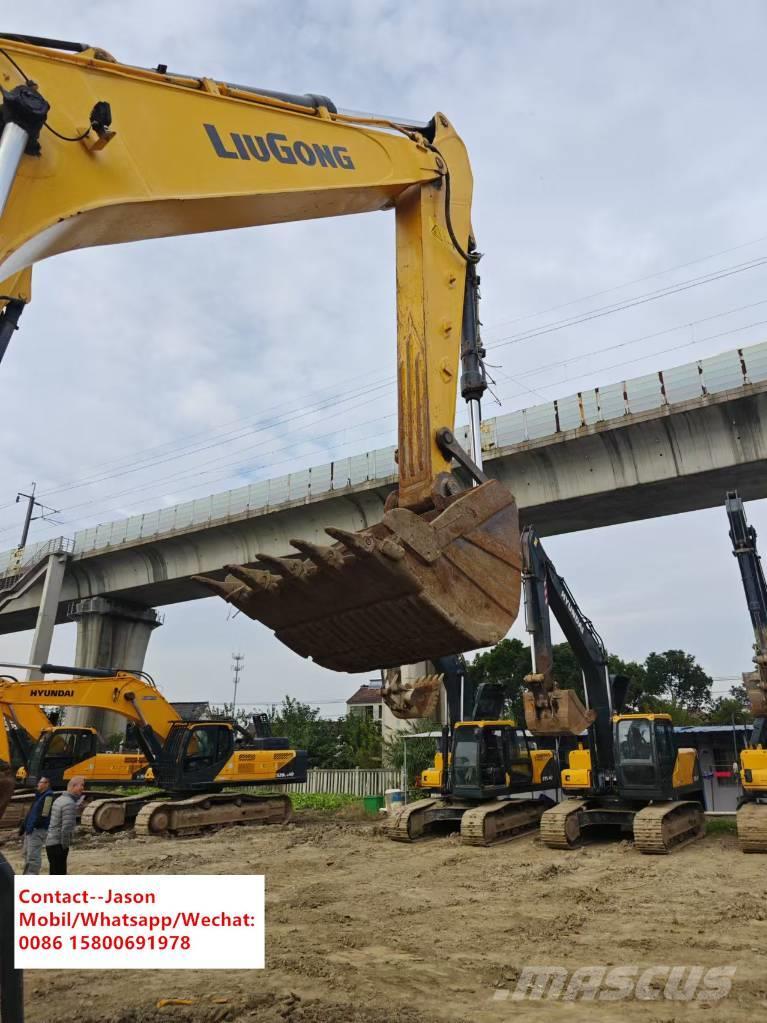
727 371
23 561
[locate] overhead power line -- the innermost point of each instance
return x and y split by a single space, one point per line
652 296
241 428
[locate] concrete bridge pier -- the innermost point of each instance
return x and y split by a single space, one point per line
110 634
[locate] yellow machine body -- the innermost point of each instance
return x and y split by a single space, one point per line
143 704
753 769
577 775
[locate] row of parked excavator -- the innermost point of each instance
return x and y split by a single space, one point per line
618 772
624 773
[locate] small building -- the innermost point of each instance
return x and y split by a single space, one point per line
366 702
719 748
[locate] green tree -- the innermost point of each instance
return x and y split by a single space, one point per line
359 743
420 751
675 677
305 728
734 708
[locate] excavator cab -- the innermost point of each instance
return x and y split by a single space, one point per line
58 750
206 755
487 759
647 762
193 755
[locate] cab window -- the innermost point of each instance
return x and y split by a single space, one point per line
635 739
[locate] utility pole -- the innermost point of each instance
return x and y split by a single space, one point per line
32 503
238 660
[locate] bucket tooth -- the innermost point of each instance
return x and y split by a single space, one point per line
288 568
226 590
360 543
320 555
254 578
391 550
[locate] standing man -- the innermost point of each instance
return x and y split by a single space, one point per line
36 827
11 980
62 825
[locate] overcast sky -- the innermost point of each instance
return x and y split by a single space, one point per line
616 147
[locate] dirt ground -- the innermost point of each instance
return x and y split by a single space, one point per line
363 930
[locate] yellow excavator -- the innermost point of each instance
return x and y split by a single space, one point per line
32 744
626 773
193 763
34 747
486 773
95 152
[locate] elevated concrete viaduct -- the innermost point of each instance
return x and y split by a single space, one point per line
668 442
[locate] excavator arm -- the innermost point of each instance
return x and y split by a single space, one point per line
31 721
122 693
95 152
549 709
744 548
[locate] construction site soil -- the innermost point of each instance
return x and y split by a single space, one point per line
363 930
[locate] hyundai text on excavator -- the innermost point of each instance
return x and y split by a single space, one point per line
33 745
95 152
752 811
192 762
626 772
481 773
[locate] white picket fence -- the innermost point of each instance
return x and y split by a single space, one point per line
356 782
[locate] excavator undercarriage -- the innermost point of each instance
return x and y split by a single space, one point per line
486 824
657 829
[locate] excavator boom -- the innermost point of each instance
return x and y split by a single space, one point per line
95 152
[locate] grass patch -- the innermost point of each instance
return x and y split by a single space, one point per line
720 826
322 801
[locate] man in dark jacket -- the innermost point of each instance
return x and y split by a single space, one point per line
11 980
62 825
36 827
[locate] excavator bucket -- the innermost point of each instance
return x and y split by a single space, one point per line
409 589
557 712
757 694
416 699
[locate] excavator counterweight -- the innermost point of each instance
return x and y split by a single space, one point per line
405 590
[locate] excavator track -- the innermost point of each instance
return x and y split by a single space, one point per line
665 827
561 825
111 813
409 823
17 808
498 822
181 816
751 821
16 811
